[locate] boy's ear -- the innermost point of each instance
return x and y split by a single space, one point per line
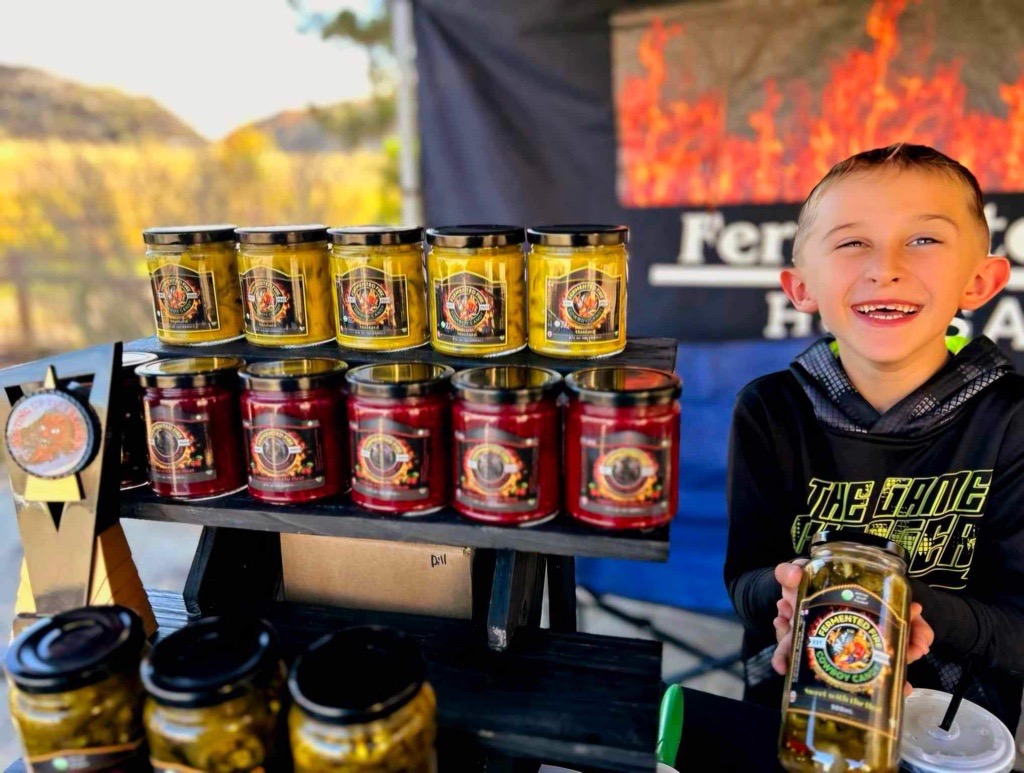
989 279
796 290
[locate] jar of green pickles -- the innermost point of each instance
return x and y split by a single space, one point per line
477 283
214 697
378 287
75 695
193 277
577 279
844 692
286 286
362 703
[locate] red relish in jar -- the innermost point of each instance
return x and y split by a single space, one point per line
192 426
506 444
399 418
134 456
293 423
622 447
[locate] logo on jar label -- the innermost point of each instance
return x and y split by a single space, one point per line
179 451
171 444
624 474
275 302
372 303
470 309
389 460
847 650
583 307
184 300
284 453
497 470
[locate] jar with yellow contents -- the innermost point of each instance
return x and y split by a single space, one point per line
193 277
577 278
362 703
286 286
378 287
476 276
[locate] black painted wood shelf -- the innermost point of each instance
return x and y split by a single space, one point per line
341 518
647 352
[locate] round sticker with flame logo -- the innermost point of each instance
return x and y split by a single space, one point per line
846 650
179 300
386 459
278 453
268 301
171 445
584 305
367 302
626 474
467 308
494 470
50 434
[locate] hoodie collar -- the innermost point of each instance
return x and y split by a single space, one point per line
971 368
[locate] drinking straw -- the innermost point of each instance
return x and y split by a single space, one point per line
958 695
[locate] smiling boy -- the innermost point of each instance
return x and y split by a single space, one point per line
890 428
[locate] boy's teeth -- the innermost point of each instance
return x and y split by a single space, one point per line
893 307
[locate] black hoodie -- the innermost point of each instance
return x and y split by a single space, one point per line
942 472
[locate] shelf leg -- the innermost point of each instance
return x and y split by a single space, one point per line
562 593
232 569
514 596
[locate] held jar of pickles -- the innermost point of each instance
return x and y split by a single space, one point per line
286 287
622 447
362 703
293 419
193 276
577 279
378 287
214 697
193 429
399 422
844 691
75 695
477 288
506 446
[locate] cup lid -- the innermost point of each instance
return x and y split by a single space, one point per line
977 740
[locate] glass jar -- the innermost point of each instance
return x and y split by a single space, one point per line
214 697
380 301
293 418
75 695
399 417
193 428
286 287
478 290
622 447
843 700
192 271
577 279
507 442
362 703
134 456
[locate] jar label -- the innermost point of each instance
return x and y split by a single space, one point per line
179 447
624 474
497 470
275 302
285 453
184 300
469 309
843 667
582 307
177 767
372 303
389 460
118 757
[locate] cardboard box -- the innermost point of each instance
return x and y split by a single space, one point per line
374 574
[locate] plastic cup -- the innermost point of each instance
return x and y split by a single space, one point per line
977 741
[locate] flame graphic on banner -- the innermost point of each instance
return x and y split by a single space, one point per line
680 153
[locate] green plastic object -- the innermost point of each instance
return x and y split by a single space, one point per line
670 725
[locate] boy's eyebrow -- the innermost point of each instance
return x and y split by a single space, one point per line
838 228
948 219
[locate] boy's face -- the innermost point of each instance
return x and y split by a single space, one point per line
889 259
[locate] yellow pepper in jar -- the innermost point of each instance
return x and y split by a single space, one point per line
477 290
285 285
193 275
577 278
378 287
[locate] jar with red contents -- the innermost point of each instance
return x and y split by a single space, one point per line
134 463
506 444
622 447
399 420
193 429
293 424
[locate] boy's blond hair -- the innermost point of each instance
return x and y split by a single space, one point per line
899 157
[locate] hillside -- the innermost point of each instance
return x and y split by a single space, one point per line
342 126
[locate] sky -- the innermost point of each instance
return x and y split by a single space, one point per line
216 64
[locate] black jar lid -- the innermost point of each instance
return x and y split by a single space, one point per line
357 675
506 384
188 235
210 661
623 387
578 235
399 379
282 234
190 372
375 235
474 236
292 375
832 536
75 649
